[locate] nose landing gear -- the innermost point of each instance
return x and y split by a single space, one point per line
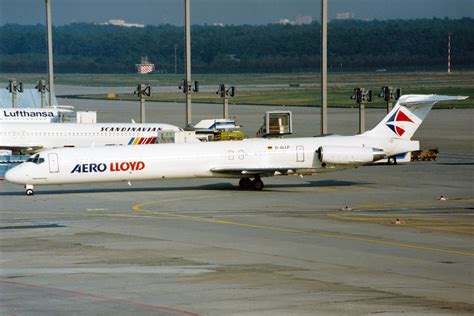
247 184
29 190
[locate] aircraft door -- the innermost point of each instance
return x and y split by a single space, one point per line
299 154
53 162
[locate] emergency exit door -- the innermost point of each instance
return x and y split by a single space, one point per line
53 162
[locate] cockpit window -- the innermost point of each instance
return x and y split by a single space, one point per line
32 158
36 159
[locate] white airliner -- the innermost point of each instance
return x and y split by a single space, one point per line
33 137
30 115
247 159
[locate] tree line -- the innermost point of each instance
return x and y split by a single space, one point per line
352 45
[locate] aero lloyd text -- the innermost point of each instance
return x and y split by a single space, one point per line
112 167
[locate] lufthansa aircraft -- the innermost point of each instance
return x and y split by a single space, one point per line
33 137
249 159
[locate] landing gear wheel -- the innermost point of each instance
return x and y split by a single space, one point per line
257 184
29 190
392 160
245 184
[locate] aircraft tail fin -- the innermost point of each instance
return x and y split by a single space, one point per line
407 115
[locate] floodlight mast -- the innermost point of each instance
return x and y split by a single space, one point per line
50 52
142 91
449 53
14 87
324 67
225 94
187 81
41 87
361 96
175 59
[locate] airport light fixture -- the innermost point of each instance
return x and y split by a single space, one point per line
41 87
362 96
187 87
142 91
225 94
14 87
389 94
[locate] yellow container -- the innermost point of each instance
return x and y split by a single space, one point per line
232 135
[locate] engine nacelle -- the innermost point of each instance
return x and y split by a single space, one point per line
349 155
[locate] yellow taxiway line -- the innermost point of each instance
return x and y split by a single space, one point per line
139 208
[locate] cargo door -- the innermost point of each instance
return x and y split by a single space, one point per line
53 163
299 154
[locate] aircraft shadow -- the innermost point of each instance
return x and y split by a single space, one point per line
455 163
222 186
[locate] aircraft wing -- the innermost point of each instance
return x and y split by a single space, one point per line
242 172
270 172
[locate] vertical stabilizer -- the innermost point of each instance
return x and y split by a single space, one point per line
407 115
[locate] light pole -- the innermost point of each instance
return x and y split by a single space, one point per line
225 94
324 67
449 53
14 87
50 52
187 82
361 96
41 87
389 94
175 59
142 91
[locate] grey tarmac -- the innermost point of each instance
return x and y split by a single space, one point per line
203 247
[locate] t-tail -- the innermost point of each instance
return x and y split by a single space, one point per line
407 115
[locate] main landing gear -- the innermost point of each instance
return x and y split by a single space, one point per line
29 190
247 184
392 160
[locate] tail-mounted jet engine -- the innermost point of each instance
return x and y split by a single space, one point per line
349 155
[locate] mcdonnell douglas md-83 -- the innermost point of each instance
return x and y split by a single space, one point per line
33 137
249 159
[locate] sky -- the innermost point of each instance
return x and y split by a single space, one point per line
236 12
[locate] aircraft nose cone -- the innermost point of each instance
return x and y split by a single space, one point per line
15 175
